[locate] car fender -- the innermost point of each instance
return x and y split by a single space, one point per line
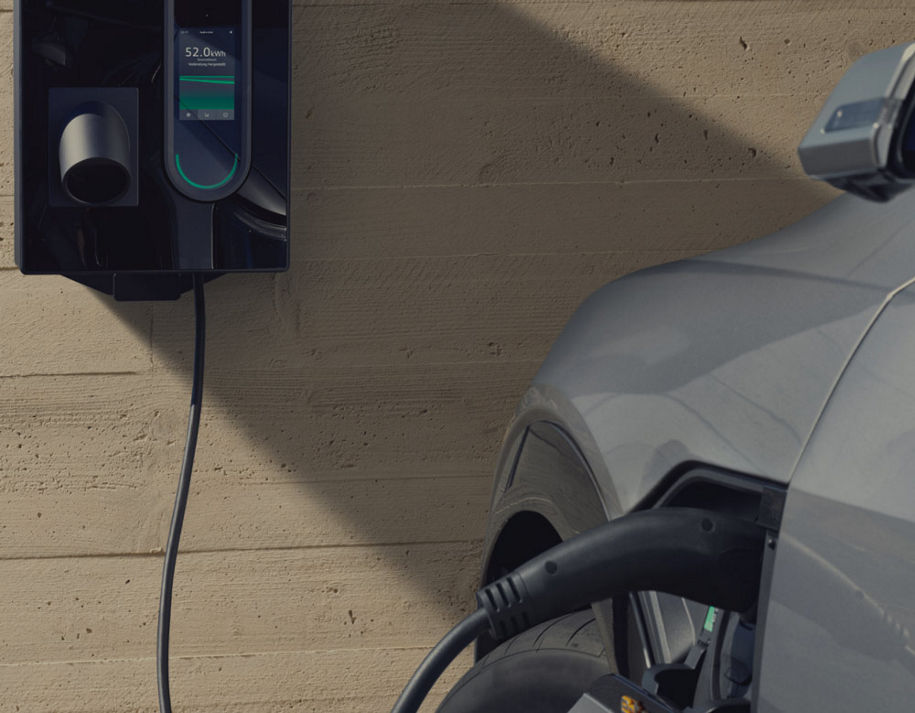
726 359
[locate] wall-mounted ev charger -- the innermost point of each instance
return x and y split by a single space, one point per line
152 154
152 141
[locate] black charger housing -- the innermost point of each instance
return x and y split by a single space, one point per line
128 115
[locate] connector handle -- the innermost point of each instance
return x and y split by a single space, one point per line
698 554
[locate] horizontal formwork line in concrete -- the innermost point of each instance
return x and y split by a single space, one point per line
356 681
226 603
55 374
475 541
538 184
547 184
396 97
354 367
203 657
386 475
229 515
809 5
398 258
382 475
659 252
7 6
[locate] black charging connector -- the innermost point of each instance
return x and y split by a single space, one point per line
697 554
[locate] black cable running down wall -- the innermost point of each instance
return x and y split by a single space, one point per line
184 484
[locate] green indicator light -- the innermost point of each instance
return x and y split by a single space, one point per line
200 185
710 619
208 80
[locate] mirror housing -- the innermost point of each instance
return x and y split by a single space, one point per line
862 140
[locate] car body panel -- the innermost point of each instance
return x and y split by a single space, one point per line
841 611
725 359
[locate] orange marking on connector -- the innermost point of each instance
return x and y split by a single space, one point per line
630 705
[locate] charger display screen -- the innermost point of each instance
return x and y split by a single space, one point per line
206 62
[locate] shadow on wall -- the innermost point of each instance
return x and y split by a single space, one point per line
463 176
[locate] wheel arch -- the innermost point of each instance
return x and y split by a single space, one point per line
545 493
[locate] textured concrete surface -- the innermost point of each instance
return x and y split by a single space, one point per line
466 173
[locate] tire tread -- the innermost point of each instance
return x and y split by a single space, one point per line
575 635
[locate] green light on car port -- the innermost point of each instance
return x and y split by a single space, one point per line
212 187
710 618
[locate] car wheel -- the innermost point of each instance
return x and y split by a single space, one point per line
543 670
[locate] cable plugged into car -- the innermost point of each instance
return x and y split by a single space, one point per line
697 554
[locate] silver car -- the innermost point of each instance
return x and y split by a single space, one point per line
771 383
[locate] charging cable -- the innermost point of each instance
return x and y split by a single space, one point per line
697 554
184 485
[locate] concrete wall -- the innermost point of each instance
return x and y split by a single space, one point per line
466 173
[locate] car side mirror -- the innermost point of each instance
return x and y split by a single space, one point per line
863 140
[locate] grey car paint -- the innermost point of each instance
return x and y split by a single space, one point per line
726 360
841 615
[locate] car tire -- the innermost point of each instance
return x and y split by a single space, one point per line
543 670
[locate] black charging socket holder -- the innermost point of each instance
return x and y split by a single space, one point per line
73 114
